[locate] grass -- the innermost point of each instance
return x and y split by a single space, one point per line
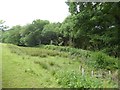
0 65
96 60
43 67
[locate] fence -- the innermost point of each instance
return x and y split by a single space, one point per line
99 74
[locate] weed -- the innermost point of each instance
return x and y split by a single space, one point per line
42 64
53 72
103 61
47 61
75 80
51 63
30 71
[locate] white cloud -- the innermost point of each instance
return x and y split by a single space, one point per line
25 11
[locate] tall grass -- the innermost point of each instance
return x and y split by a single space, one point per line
61 69
41 52
97 60
75 80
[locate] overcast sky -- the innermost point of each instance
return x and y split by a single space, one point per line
21 12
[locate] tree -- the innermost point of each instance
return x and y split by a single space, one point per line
96 26
50 33
32 33
2 26
12 35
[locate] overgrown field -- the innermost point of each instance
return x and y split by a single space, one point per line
56 66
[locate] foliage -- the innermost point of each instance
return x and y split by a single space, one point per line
95 26
2 26
36 33
12 35
104 61
56 71
75 80
91 26
97 60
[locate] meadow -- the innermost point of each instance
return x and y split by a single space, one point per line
49 66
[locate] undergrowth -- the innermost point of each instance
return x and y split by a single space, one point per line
76 80
97 60
89 60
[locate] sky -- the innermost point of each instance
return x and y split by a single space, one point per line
21 12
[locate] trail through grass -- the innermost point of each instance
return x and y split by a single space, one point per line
27 71
26 67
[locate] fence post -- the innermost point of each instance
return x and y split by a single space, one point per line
109 72
83 71
92 73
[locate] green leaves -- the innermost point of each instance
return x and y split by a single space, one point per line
96 22
103 61
2 26
72 79
36 33
91 26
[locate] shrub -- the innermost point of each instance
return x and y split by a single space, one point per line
75 80
103 61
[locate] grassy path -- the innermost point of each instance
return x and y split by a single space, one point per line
31 72
26 67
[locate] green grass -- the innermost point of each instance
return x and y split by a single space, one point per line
0 65
26 67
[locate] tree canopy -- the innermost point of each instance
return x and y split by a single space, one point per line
91 26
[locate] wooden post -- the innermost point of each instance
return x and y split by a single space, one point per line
109 72
92 73
51 42
83 71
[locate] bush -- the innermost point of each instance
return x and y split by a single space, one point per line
69 50
103 61
96 59
75 80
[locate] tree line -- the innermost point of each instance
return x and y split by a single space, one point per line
91 26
